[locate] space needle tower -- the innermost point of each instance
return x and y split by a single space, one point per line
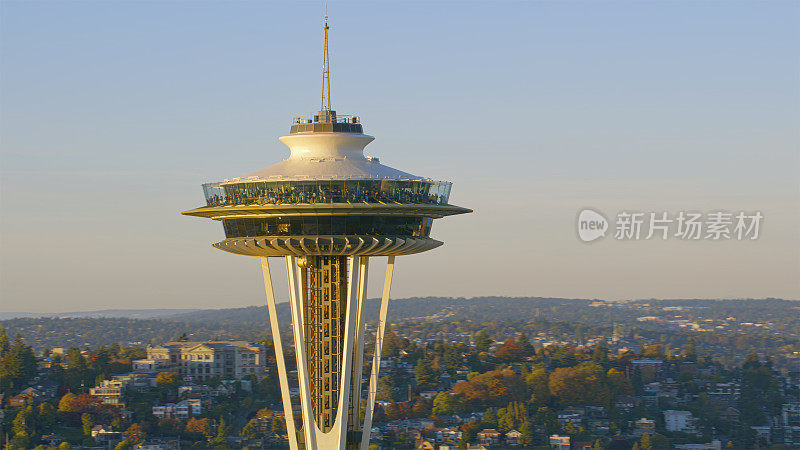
327 209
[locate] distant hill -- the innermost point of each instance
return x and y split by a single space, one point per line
774 317
421 308
103 313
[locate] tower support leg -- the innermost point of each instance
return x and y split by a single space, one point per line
358 356
279 359
376 357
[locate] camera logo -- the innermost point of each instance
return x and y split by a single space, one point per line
591 225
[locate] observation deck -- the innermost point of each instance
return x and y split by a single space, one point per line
327 198
326 122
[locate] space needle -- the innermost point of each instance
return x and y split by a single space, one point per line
327 209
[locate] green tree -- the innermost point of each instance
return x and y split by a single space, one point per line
528 436
446 404
525 345
690 352
538 385
17 367
46 416
24 424
547 417
425 375
482 341
489 418
386 388
5 345
660 442
19 442
600 355
391 344
223 430
250 430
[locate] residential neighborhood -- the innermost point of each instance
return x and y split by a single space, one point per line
482 394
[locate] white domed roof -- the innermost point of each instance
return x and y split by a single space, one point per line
327 156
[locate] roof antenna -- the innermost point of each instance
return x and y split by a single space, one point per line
326 69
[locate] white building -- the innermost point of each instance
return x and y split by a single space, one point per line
679 421
644 425
790 414
204 360
143 365
111 391
444 435
180 410
713 445
559 442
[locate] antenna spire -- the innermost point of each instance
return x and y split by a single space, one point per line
326 70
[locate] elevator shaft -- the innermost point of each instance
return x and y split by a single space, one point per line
324 281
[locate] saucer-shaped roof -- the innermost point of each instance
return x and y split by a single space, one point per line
327 168
326 156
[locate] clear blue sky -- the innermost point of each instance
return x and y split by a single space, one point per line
113 113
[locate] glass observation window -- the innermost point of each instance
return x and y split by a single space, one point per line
327 191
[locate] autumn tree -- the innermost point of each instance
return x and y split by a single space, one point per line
170 426
421 408
65 404
24 424
199 427
135 434
493 388
655 351
510 351
580 384
168 380
398 410
250 429
87 423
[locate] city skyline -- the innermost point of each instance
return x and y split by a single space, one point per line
111 114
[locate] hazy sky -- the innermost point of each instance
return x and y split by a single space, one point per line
114 113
